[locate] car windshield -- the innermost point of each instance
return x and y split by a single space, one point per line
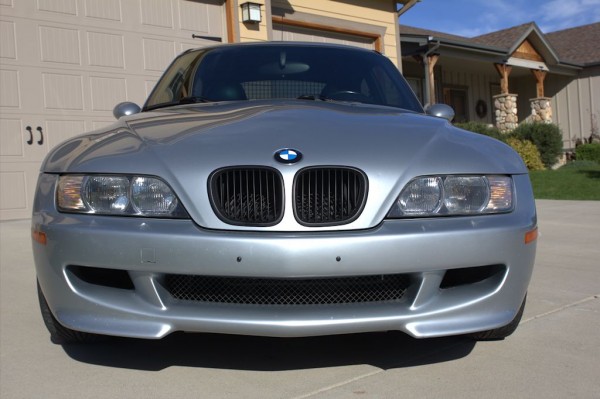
309 72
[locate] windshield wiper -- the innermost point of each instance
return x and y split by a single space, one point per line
322 97
306 97
181 101
193 100
314 98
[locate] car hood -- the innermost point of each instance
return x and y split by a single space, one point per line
185 144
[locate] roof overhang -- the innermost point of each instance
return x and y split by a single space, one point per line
417 44
405 5
536 38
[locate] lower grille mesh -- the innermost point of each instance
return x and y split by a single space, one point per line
268 291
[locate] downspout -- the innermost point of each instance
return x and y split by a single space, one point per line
429 85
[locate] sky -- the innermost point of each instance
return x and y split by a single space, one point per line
476 17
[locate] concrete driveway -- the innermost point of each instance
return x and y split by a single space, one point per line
555 353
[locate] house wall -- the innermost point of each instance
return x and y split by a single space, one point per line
375 16
575 100
525 87
253 32
576 104
478 86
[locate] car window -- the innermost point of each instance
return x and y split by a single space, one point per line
239 73
173 85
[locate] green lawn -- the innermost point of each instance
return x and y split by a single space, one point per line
575 181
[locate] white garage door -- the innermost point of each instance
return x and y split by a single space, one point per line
298 34
64 64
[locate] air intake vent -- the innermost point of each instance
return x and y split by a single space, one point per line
247 196
329 196
290 292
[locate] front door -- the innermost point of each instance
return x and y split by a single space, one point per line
457 98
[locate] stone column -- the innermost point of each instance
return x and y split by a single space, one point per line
505 106
541 110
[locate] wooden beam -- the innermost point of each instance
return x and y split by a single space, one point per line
230 20
377 40
418 58
431 61
539 78
503 71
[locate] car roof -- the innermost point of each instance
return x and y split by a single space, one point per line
280 43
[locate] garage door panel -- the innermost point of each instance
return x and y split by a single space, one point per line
10 95
17 188
106 50
11 137
63 91
60 45
157 13
201 17
61 130
107 92
149 84
22 139
101 124
293 33
103 9
68 7
158 54
8 44
13 195
66 63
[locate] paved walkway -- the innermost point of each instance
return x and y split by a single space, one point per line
555 353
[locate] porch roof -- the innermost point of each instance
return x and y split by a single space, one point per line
564 51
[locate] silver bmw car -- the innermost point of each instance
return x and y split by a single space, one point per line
285 190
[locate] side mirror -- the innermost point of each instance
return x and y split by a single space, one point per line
125 108
440 111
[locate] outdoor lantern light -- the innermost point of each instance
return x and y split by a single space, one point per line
251 12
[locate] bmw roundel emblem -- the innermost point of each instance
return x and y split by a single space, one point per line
288 156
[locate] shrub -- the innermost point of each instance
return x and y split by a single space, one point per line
528 152
481 128
547 137
588 152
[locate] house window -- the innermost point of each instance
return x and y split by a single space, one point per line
458 99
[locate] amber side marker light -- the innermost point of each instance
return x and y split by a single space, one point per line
39 236
531 236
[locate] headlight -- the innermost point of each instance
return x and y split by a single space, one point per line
454 195
117 195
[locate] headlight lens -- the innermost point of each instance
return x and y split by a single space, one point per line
454 195
118 195
106 194
465 194
421 196
152 196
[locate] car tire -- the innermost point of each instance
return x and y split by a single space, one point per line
501 332
60 334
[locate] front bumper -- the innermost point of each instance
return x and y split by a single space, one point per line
150 248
